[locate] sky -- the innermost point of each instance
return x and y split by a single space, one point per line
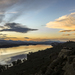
37 20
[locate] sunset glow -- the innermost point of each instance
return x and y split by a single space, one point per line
37 20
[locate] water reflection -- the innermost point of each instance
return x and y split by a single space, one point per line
7 55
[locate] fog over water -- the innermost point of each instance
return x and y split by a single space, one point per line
7 55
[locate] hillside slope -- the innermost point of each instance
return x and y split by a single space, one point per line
58 60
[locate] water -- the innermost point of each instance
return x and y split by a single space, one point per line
7 55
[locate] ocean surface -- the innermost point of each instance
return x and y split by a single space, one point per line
7 55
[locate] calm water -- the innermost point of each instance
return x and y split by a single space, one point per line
7 55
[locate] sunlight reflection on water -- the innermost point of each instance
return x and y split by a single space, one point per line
7 55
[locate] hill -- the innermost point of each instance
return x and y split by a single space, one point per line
11 43
58 60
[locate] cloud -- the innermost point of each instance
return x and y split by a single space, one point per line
5 5
73 33
1 27
2 36
66 22
0 33
21 6
72 10
12 12
66 30
1 13
26 37
66 34
16 27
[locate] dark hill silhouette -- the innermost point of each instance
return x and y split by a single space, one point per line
46 62
10 43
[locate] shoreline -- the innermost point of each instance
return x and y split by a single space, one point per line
24 52
38 63
15 45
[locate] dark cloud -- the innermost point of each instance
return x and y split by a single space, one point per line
66 30
26 37
4 7
20 6
16 27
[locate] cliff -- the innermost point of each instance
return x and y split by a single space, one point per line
64 64
59 60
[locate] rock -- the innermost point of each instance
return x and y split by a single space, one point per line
69 70
64 53
71 59
63 65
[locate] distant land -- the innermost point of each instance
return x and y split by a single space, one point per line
10 43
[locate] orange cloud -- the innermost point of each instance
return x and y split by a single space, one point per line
73 33
42 39
66 30
65 22
66 34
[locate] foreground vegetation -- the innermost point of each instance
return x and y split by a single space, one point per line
38 63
